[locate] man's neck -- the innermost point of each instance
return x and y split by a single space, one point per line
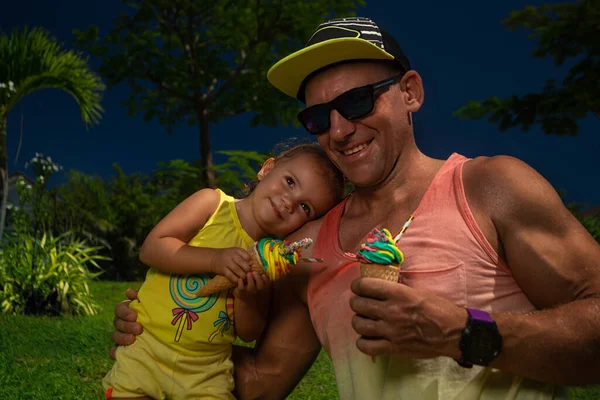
403 188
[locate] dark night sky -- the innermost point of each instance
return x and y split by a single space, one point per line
461 50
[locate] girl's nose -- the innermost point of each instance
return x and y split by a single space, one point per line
288 203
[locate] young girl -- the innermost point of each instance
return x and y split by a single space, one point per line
185 349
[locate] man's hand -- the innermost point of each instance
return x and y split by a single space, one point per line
125 323
394 319
232 263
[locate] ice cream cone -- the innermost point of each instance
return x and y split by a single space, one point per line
386 272
380 257
220 282
273 257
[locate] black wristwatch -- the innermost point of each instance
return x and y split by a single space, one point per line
480 342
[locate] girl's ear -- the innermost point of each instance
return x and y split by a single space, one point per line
266 168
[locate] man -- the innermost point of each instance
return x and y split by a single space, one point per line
497 272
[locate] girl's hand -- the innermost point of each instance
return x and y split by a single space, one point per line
233 263
254 283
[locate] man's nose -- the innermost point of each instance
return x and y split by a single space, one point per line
339 127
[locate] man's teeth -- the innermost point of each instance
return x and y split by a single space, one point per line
355 149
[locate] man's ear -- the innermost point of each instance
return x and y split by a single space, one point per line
266 168
412 86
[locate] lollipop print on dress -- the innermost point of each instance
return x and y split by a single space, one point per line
225 320
183 290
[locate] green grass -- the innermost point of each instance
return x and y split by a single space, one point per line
45 358
65 358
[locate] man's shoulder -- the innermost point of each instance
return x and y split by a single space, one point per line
502 182
503 172
490 167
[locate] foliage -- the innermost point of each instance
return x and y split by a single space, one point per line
31 60
46 275
565 32
240 167
117 211
178 179
44 264
41 209
199 62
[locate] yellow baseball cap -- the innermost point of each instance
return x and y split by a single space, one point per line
335 41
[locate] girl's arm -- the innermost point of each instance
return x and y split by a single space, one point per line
251 306
166 247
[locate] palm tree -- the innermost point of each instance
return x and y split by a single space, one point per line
32 60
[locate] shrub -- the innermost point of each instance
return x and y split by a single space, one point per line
47 275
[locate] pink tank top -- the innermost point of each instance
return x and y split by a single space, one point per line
446 254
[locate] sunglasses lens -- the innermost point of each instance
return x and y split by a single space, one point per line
315 119
356 103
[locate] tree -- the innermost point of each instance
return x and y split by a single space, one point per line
199 61
564 32
31 60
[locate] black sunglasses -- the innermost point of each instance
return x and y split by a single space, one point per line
354 104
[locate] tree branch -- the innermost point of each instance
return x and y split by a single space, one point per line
245 54
161 85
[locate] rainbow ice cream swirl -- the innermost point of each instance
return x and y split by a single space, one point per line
380 248
277 256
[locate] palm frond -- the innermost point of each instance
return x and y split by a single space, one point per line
32 59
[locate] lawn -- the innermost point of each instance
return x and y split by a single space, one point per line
45 358
66 358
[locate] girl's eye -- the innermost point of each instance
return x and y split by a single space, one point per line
305 208
290 181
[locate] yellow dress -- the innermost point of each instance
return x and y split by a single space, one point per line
185 350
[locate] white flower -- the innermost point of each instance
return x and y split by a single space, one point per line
41 179
2 85
11 86
28 187
54 167
9 206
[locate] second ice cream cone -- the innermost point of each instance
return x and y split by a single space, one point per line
220 282
271 256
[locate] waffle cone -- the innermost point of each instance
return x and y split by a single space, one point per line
220 282
389 272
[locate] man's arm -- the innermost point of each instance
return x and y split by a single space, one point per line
556 263
289 345
283 355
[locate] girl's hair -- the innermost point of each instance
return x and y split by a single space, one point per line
335 177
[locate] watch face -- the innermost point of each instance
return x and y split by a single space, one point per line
481 342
